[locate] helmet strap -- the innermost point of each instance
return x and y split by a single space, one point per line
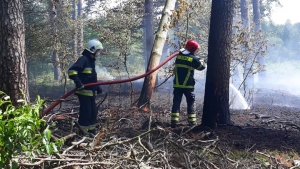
92 49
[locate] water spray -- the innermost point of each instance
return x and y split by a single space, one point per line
237 100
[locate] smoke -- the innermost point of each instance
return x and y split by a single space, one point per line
281 84
103 74
284 77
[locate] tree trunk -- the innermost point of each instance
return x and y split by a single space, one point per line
148 30
248 62
80 33
160 38
13 63
74 36
55 57
235 76
257 29
216 99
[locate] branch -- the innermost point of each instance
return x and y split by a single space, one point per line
84 164
31 164
126 141
71 147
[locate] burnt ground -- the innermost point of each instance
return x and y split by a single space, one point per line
265 136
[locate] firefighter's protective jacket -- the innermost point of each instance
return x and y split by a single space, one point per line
83 72
185 64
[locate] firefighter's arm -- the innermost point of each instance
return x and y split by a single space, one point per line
74 70
199 64
99 90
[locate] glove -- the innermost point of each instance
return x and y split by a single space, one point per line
79 85
203 64
99 90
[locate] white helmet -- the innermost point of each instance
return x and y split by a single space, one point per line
93 45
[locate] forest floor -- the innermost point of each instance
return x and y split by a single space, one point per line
265 136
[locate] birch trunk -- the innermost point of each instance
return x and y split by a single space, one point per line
157 49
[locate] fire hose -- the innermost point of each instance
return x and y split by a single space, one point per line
54 104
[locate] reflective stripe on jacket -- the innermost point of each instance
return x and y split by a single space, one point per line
184 70
83 70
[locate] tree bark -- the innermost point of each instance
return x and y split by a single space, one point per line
257 29
160 38
148 30
80 33
55 58
216 99
13 63
74 36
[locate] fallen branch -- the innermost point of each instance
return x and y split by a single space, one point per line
142 145
268 121
38 163
261 116
293 125
223 156
84 164
126 141
42 160
187 161
71 147
266 155
212 164
68 136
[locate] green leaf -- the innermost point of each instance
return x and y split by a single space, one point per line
49 149
54 147
53 124
21 133
14 165
47 134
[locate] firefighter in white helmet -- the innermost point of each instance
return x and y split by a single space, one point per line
83 72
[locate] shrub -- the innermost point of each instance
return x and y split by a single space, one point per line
22 131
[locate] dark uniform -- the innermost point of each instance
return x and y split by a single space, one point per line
83 72
184 83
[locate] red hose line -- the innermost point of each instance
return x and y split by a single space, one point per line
109 82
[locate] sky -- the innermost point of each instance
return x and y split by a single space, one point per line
289 10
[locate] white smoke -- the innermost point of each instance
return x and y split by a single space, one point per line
103 74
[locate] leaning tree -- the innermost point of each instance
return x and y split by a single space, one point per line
157 49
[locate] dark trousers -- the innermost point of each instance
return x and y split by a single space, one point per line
190 100
88 110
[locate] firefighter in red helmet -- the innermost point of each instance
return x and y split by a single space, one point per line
185 64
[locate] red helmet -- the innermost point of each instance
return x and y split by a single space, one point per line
192 46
